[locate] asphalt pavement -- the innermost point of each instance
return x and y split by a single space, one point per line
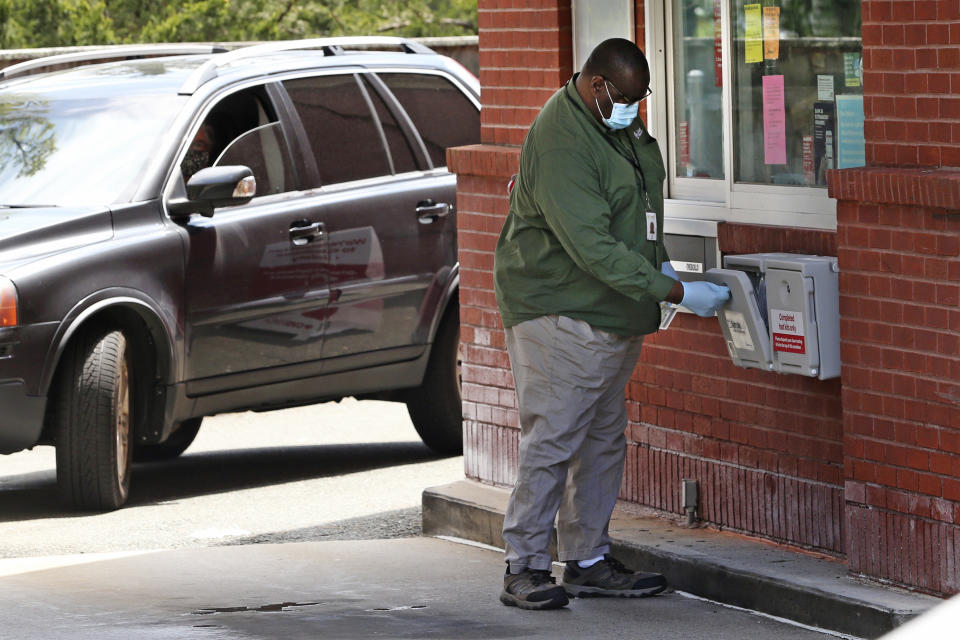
332 471
398 588
303 523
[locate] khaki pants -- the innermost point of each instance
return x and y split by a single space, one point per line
570 381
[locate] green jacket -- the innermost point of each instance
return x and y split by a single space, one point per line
574 242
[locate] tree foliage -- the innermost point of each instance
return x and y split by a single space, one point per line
47 23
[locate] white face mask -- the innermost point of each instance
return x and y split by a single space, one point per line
621 115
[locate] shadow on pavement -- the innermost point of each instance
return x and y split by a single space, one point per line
34 495
385 525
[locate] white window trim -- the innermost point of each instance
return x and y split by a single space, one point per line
719 199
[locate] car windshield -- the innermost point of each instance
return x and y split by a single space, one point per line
64 148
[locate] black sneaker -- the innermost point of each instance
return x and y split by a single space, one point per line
609 578
532 589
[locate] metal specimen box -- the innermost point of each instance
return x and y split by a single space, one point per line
783 314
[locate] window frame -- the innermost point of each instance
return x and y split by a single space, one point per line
720 199
395 101
296 138
173 178
370 72
316 181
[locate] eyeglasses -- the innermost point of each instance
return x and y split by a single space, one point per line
623 97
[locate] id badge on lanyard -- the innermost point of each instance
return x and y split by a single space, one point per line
651 223
650 226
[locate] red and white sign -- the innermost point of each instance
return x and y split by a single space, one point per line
717 45
809 177
683 141
787 330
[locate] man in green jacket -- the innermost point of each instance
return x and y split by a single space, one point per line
580 271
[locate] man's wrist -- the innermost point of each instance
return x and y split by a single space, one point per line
676 293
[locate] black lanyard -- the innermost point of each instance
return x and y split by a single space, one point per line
635 162
632 158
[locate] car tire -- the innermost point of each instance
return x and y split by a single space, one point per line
93 415
435 407
172 447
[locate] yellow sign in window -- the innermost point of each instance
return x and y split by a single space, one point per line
754 32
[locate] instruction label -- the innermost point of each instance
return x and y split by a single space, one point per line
739 333
774 121
753 19
851 144
771 33
787 330
825 87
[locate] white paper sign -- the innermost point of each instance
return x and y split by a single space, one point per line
825 87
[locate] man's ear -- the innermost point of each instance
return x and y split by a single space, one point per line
596 84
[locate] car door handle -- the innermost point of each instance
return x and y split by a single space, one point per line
429 211
304 232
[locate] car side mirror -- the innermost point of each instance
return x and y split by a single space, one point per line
213 187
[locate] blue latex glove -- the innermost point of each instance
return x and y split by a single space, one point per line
704 298
667 269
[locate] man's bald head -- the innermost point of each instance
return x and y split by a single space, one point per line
615 57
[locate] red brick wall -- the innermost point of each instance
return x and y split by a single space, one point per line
765 448
489 413
763 466
911 82
526 54
899 253
868 466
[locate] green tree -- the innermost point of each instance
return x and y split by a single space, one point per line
42 23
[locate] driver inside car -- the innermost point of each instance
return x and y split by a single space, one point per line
199 154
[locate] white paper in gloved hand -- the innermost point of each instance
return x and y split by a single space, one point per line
667 312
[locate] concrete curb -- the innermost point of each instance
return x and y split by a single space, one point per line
724 567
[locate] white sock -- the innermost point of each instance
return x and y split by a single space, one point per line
586 564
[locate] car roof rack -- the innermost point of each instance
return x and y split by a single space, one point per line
107 53
330 46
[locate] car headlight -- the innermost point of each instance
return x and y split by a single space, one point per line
8 303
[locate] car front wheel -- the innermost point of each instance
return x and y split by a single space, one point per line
93 414
435 407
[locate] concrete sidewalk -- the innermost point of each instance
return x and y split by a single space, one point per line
400 588
719 566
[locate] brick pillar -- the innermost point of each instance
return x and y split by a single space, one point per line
899 253
525 56
898 232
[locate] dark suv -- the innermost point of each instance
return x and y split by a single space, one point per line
193 234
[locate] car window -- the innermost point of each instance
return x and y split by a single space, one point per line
265 152
400 149
229 120
443 114
341 128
